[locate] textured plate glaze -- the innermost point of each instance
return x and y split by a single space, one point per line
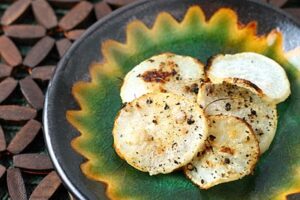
278 171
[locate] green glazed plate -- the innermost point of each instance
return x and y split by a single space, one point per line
191 33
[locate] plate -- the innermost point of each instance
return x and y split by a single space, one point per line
75 65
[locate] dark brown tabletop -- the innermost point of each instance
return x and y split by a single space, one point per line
34 35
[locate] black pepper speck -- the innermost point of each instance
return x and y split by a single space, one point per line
149 101
190 121
166 107
226 161
227 106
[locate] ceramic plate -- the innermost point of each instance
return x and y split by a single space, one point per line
83 97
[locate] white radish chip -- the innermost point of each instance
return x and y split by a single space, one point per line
231 153
260 70
167 73
159 132
232 100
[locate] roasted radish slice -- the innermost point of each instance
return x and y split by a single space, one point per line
167 73
231 153
230 99
159 132
260 70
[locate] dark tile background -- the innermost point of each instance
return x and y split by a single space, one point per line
38 68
